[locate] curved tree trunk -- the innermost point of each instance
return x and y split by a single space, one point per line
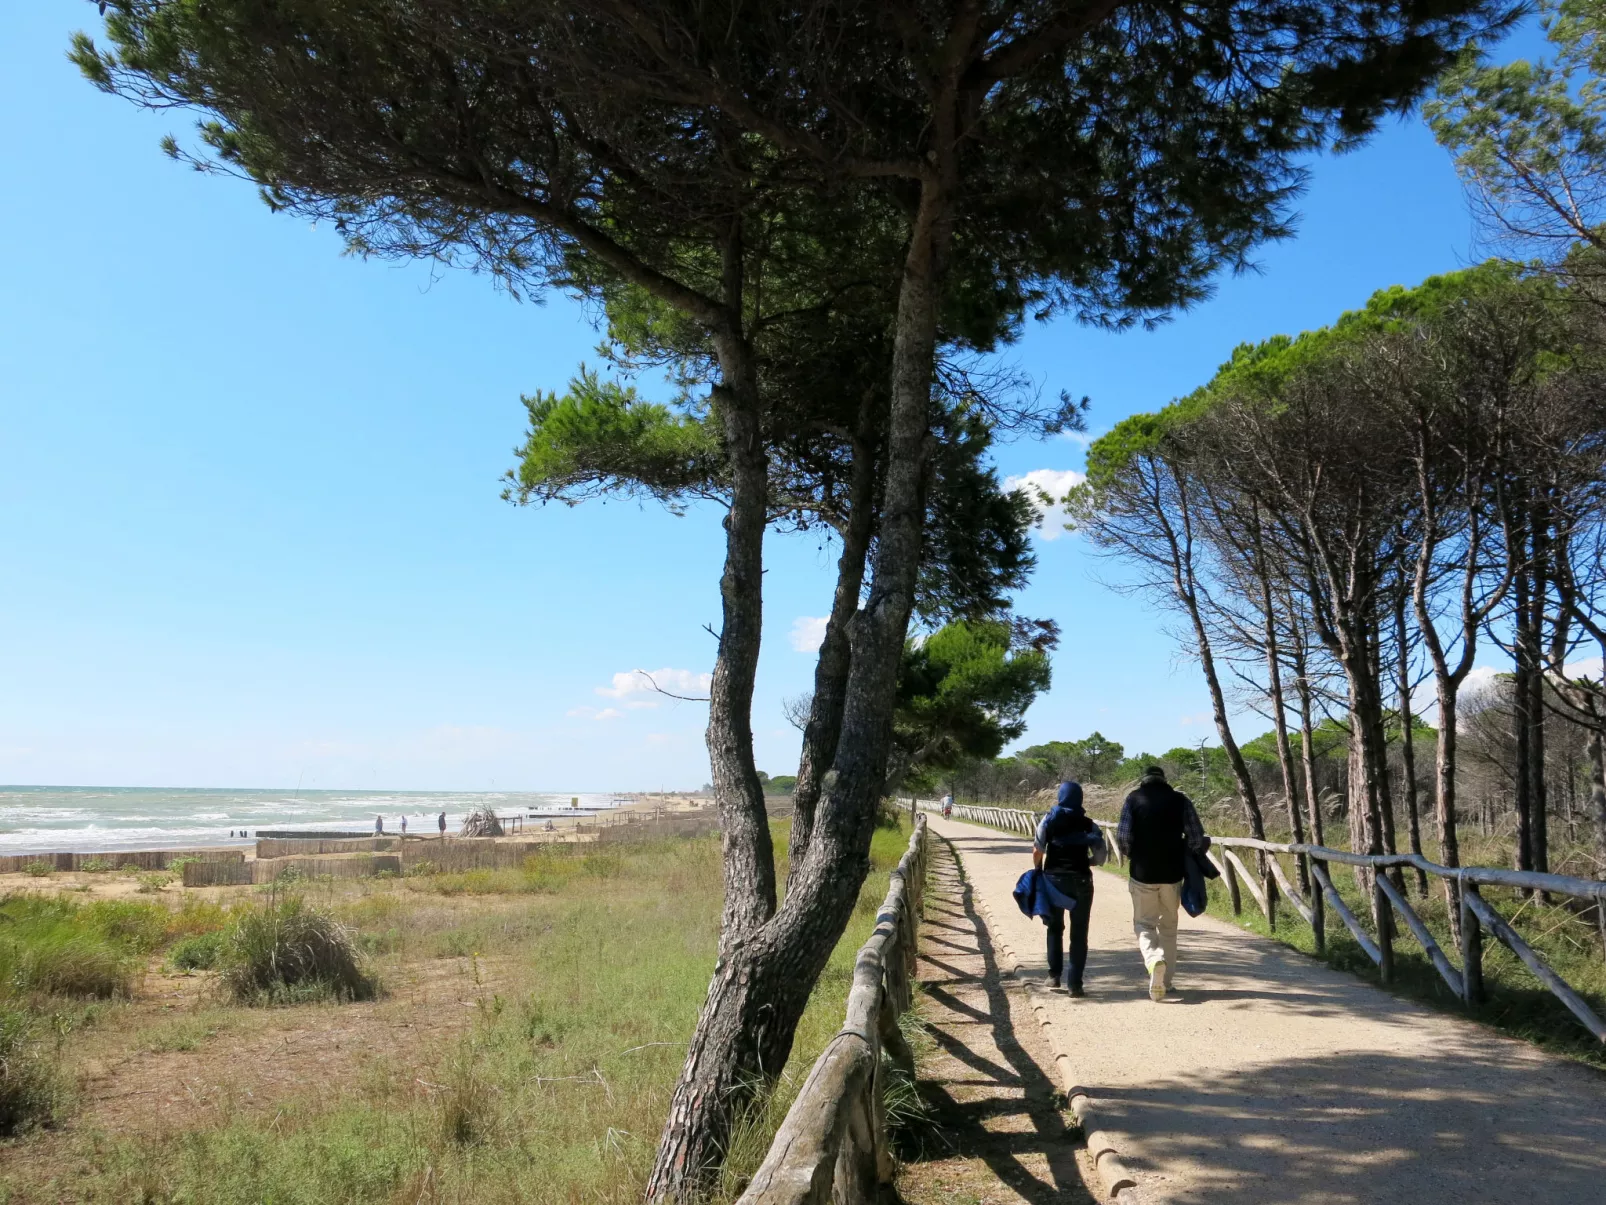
836 650
764 974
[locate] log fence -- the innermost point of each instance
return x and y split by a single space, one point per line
832 1146
1389 907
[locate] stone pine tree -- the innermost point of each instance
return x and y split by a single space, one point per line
1105 159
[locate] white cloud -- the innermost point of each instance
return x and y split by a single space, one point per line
1589 667
1046 487
808 632
608 713
1478 677
649 682
1199 717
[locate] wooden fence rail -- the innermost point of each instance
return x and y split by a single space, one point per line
833 1147
1389 906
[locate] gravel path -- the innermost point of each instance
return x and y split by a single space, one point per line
996 1133
1276 1079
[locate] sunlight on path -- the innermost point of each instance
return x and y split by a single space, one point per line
1276 1079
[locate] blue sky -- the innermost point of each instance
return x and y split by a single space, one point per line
249 503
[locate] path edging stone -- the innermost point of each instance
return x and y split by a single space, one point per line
1119 1182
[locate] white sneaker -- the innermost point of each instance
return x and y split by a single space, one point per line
1157 981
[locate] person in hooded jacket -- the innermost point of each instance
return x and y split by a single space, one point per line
1065 839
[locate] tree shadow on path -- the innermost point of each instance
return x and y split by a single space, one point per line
994 1113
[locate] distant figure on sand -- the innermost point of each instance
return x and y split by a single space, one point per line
404 826
379 826
1066 848
443 824
1157 824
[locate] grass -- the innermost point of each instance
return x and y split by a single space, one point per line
526 1049
32 1092
289 952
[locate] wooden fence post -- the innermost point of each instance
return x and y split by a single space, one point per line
1471 949
1318 909
1232 886
1383 914
1269 886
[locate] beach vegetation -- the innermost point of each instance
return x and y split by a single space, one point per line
153 881
32 1090
198 952
52 945
96 865
289 952
39 869
531 1056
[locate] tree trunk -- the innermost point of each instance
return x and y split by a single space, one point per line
762 981
1307 742
748 854
1538 794
836 650
1521 722
1408 738
1187 593
1279 709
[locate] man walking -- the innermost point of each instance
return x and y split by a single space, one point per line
1157 824
1065 838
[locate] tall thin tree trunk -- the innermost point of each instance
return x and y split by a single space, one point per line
1521 722
1538 794
836 650
1279 709
1408 737
761 982
1307 744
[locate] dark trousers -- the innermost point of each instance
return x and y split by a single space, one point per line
1079 887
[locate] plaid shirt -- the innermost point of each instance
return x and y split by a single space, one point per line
1192 831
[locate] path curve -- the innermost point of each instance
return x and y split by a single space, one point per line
1277 1080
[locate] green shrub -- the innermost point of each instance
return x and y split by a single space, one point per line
39 870
58 947
197 953
96 865
140 926
287 952
154 881
421 868
31 1090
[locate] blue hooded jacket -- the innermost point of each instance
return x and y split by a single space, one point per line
1068 839
1036 895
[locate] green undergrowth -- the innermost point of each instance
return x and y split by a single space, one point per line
290 952
1517 1004
585 972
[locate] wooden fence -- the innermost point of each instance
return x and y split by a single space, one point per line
832 1147
126 859
365 856
1269 882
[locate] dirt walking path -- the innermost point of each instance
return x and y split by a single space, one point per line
1275 1079
996 1135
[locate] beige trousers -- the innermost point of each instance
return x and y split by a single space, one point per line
1154 920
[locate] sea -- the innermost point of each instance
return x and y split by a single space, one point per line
97 819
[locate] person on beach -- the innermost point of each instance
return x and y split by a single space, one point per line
404 825
1066 848
379 826
443 826
1158 822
